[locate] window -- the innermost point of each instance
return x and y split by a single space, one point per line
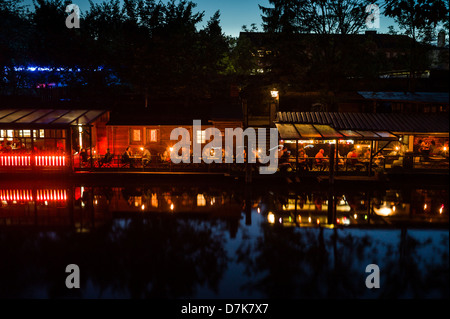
135 136
201 137
152 135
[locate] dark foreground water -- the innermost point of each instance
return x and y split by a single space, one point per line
156 240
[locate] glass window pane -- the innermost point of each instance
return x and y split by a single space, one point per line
387 135
369 134
34 116
307 131
351 134
287 131
15 116
327 131
52 116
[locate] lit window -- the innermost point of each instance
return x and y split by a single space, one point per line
26 133
135 136
41 133
201 201
152 135
201 137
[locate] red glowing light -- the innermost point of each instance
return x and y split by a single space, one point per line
21 161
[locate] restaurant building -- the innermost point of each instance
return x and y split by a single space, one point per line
49 139
151 131
384 140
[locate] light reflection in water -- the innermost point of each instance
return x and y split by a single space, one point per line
174 242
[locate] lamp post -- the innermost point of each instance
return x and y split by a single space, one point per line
273 106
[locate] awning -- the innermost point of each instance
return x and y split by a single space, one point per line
46 118
289 131
369 122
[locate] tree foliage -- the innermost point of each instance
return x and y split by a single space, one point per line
315 16
420 20
145 47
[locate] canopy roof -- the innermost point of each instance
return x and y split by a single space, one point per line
29 118
356 126
391 122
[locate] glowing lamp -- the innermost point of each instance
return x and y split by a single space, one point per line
271 218
274 93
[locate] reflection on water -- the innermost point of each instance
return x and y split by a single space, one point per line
222 242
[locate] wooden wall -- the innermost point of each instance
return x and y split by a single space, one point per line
119 137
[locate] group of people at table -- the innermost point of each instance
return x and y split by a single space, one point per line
125 159
321 161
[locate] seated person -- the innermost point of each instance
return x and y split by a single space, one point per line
106 159
366 154
379 160
339 159
425 149
146 157
8 147
320 159
83 156
302 158
284 161
126 157
352 157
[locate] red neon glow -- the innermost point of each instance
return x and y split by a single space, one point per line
22 195
21 161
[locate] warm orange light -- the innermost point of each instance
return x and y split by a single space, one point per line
271 218
274 93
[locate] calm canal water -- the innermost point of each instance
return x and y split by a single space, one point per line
196 240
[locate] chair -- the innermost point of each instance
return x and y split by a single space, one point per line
321 164
126 161
106 161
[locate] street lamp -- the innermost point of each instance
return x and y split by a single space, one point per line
274 93
273 106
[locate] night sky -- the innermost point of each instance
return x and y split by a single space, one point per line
234 13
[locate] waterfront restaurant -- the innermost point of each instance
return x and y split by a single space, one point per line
364 141
49 139
150 131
